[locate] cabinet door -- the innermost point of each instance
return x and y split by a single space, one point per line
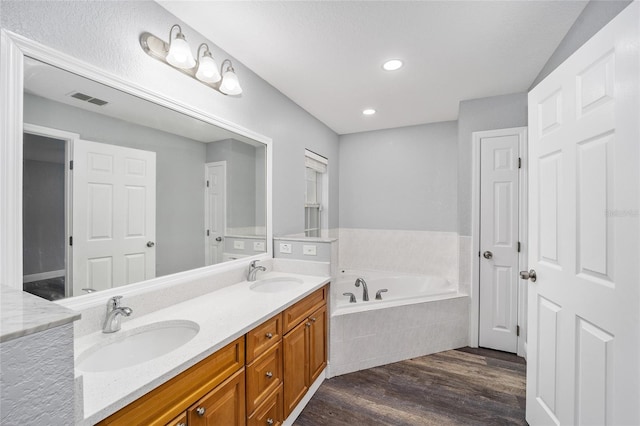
269 413
296 366
317 343
222 406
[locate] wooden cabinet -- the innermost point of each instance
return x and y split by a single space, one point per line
263 337
222 406
305 354
270 412
264 375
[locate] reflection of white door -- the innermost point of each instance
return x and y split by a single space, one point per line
215 201
499 168
114 203
584 320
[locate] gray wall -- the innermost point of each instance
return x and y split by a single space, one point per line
179 176
242 179
497 112
594 16
105 34
43 216
403 178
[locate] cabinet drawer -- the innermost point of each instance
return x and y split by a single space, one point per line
264 375
270 412
293 315
181 420
168 400
222 406
263 337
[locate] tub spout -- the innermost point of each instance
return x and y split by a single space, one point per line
365 290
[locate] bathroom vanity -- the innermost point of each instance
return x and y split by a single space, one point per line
245 370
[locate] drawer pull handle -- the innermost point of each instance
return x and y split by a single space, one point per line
200 411
269 374
313 319
270 422
268 335
308 324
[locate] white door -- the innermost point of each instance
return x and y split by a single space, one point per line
114 204
499 221
584 308
215 202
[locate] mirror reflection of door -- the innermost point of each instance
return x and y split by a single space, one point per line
114 215
43 213
215 208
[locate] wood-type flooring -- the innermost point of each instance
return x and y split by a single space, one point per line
459 387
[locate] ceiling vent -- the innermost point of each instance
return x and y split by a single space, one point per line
87 98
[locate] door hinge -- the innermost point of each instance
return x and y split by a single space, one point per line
519 162
71 241
71 165
518 246
478 254
207 232
517 330
207 184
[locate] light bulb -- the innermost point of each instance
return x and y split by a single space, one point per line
392 65
208 69
180 54
230 84
369 111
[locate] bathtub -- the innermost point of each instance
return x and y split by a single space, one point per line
402 289
418 315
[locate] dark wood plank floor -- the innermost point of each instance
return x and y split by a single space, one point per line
459 387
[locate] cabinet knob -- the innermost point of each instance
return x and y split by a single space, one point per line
313 319
269 374
308 324
200 411
268 335
269 421
181 424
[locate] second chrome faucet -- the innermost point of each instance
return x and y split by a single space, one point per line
365 290
114 314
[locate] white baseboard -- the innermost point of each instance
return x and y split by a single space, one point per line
312 390
43 276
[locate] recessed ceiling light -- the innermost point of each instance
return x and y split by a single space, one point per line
369 111
392 65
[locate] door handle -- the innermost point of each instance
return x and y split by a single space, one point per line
531 275
150 244
487 255
218 239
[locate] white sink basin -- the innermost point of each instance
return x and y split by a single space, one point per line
275 285
136 346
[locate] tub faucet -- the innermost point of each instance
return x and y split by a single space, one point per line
379 293
114 312
253 270
352 297
365 290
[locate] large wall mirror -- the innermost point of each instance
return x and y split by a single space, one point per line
119 190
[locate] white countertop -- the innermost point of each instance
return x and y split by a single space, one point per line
23 314
223 316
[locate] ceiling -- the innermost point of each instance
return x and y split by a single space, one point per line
327 55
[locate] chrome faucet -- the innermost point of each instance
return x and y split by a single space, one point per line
379 293
114 313
352 297
253 270
365 290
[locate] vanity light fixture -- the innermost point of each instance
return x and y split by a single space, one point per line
203 68
369 111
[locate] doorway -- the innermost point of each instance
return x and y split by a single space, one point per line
215 211
500 239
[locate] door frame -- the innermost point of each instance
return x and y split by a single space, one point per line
207 213
69 138
474 318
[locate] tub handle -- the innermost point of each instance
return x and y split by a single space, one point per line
379 293
352 297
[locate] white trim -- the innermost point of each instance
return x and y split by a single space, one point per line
42 276
13 49
474 317
69 138
304 401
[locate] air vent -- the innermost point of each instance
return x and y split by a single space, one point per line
87 98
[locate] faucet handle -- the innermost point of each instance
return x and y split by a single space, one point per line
379 293
352 297
253 263
114 302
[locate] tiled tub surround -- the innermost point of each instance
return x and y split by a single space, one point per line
222 315
372 337
412 252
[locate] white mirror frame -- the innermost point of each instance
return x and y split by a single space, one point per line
13 49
